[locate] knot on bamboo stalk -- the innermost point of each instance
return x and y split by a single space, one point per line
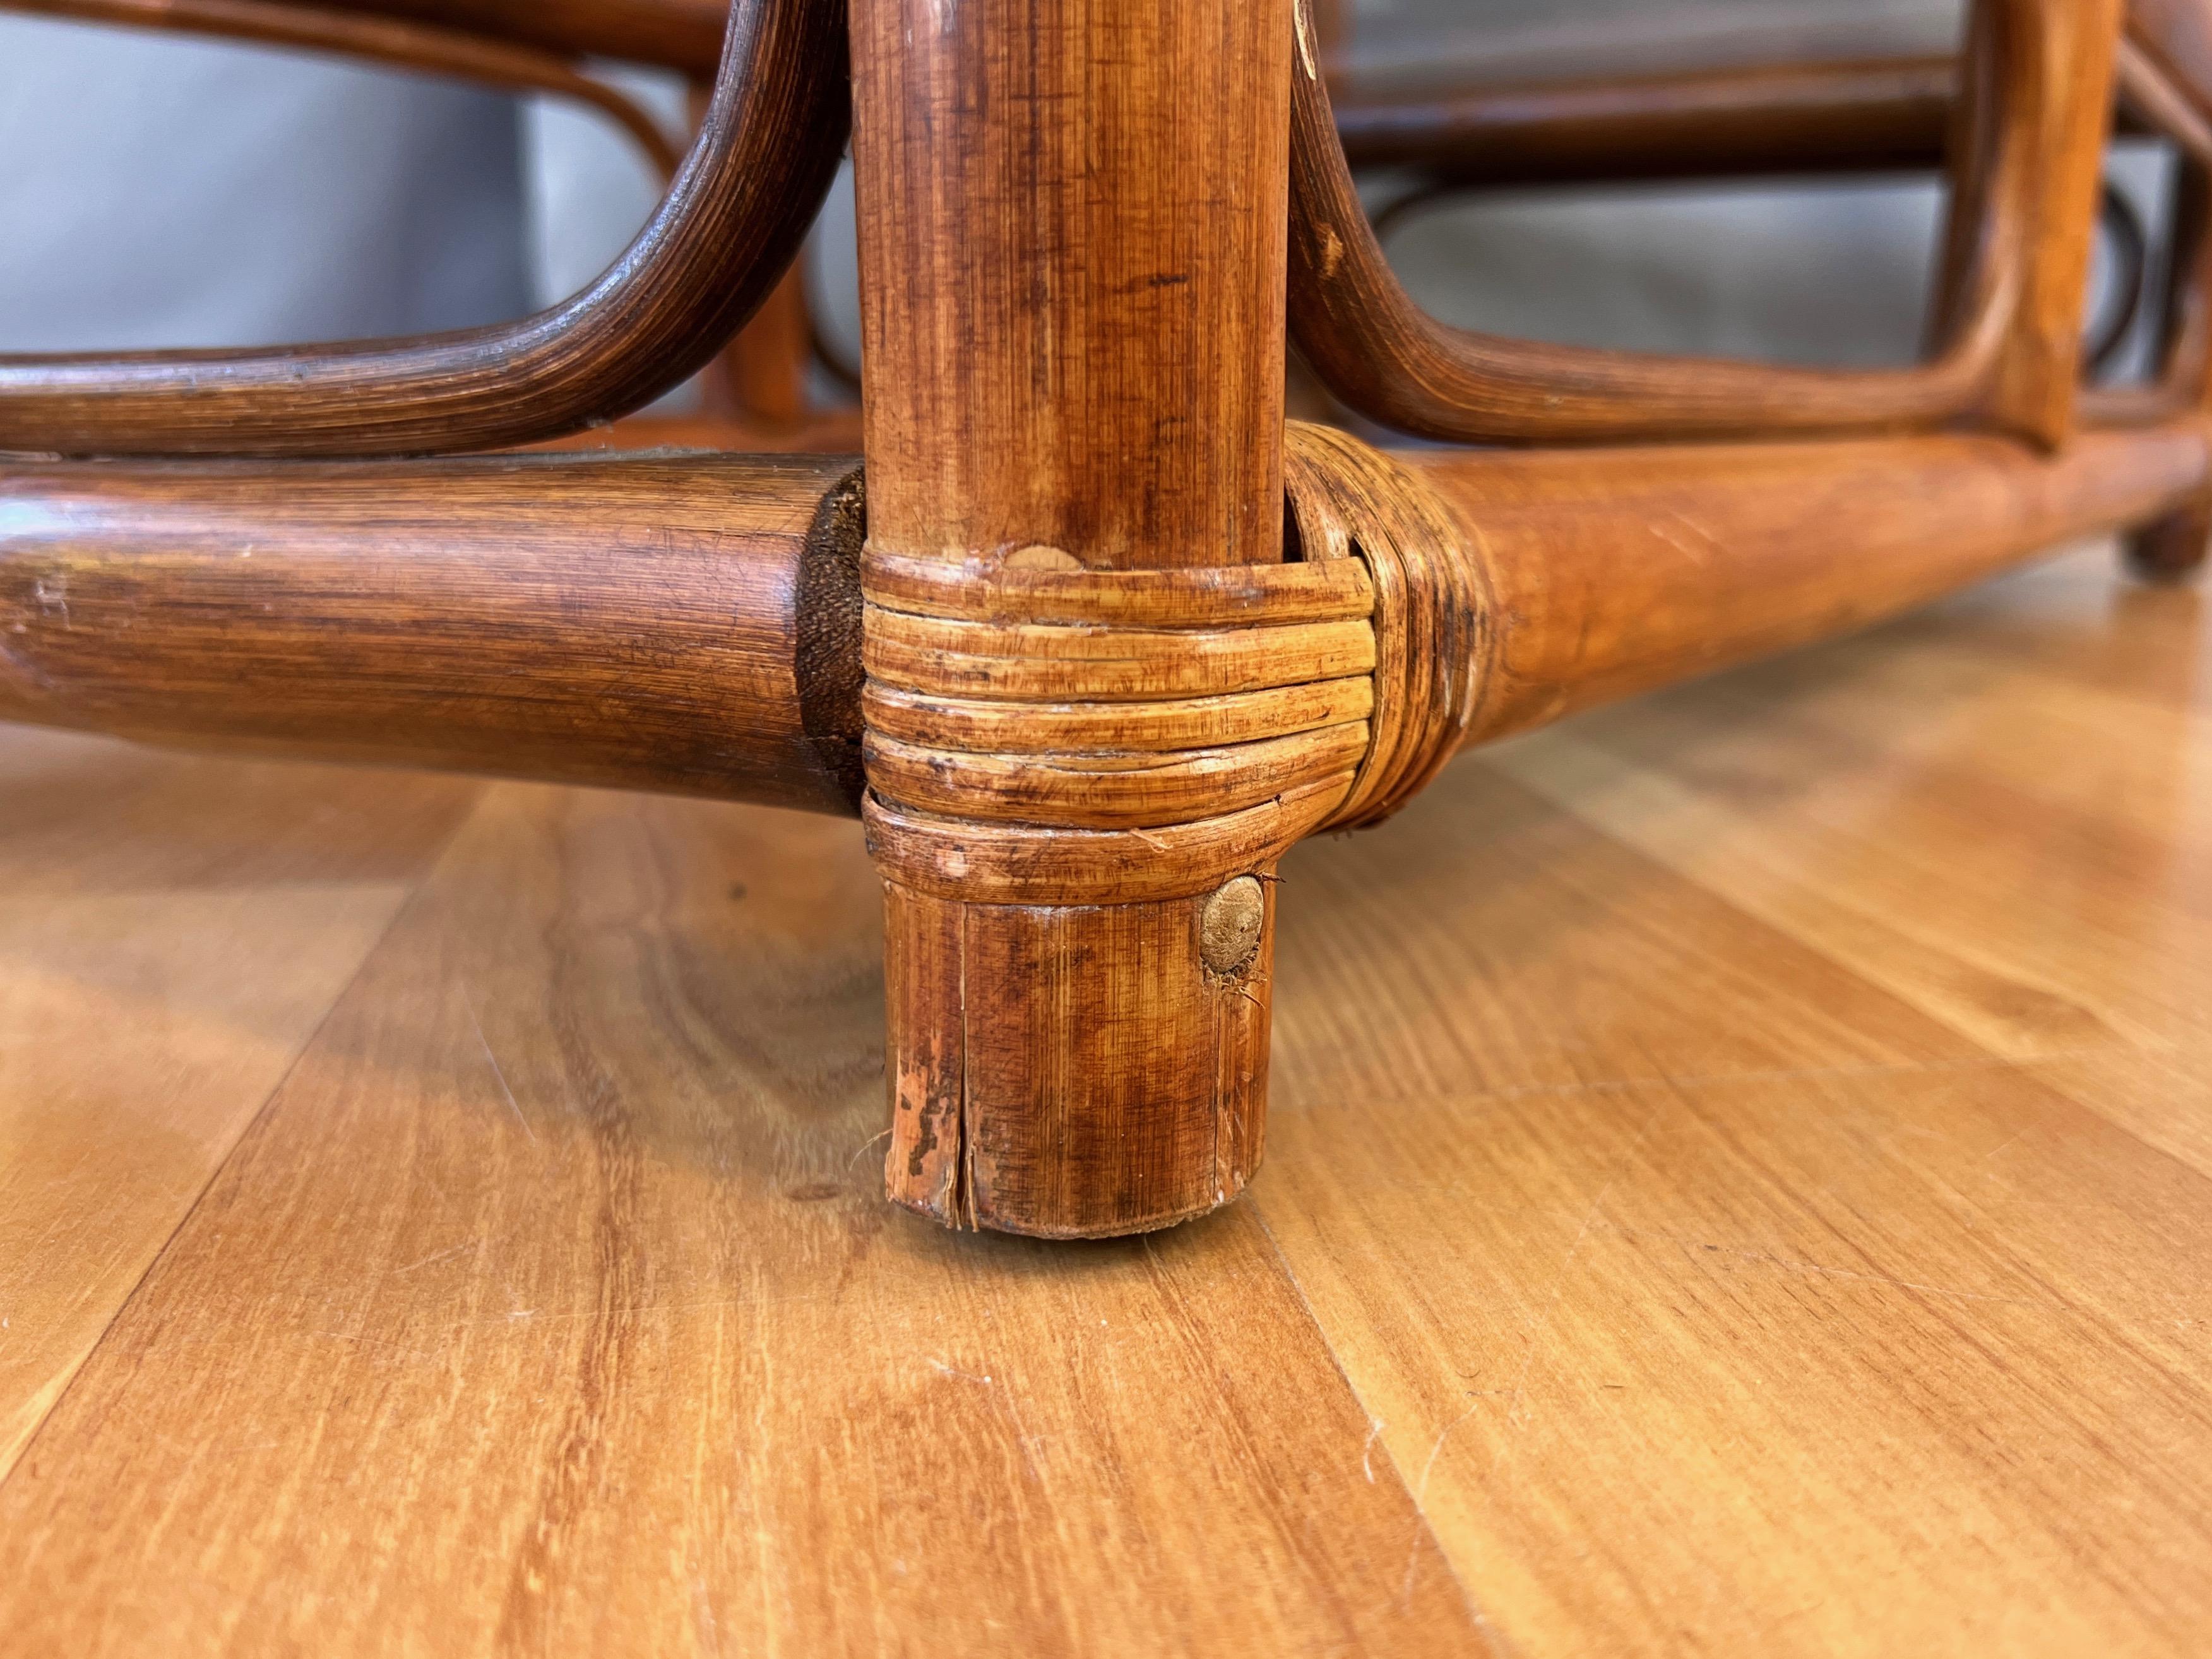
1041 733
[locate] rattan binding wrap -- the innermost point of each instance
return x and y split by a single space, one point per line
1065 736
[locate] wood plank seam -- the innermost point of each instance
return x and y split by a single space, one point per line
1415 1496
427 862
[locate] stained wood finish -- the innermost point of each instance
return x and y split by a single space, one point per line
564 1314
2174 546
678 35
694 624
1071 245
2152 101
825 432
2171 548
1575 1292
1612 572
760 377
2176 35
730 225
1045 735
998 418
1855 117
2026 196
1099 709
1739 1186
685 623
2166 66
766 363
403 45
2059 141
1870 114
168 949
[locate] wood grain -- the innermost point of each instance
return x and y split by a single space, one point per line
1746 1149
678 35
553 1306
1685 1213
687 623
1614 571
168 947
695 623
1867 115
1983 801
2034 250
1072 233
1872 114
2166 68
1071 244
2157 1095
826 432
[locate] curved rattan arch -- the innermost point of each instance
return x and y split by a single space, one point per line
731 224
1383 355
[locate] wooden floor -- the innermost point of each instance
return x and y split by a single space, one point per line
1740 1183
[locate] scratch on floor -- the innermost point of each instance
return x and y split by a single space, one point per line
1421 1528
870 1141
513 1105
1558 1289
441 1256
1421 1486
1507 1444
1993 1151
1891 1281
1305 1302
954 1371
1766 1259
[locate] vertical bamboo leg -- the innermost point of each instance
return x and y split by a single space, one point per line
2026 175
2173 547
761 376
767 361
1072 221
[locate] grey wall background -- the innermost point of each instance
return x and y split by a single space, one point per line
1835 272
1546 36
158 190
